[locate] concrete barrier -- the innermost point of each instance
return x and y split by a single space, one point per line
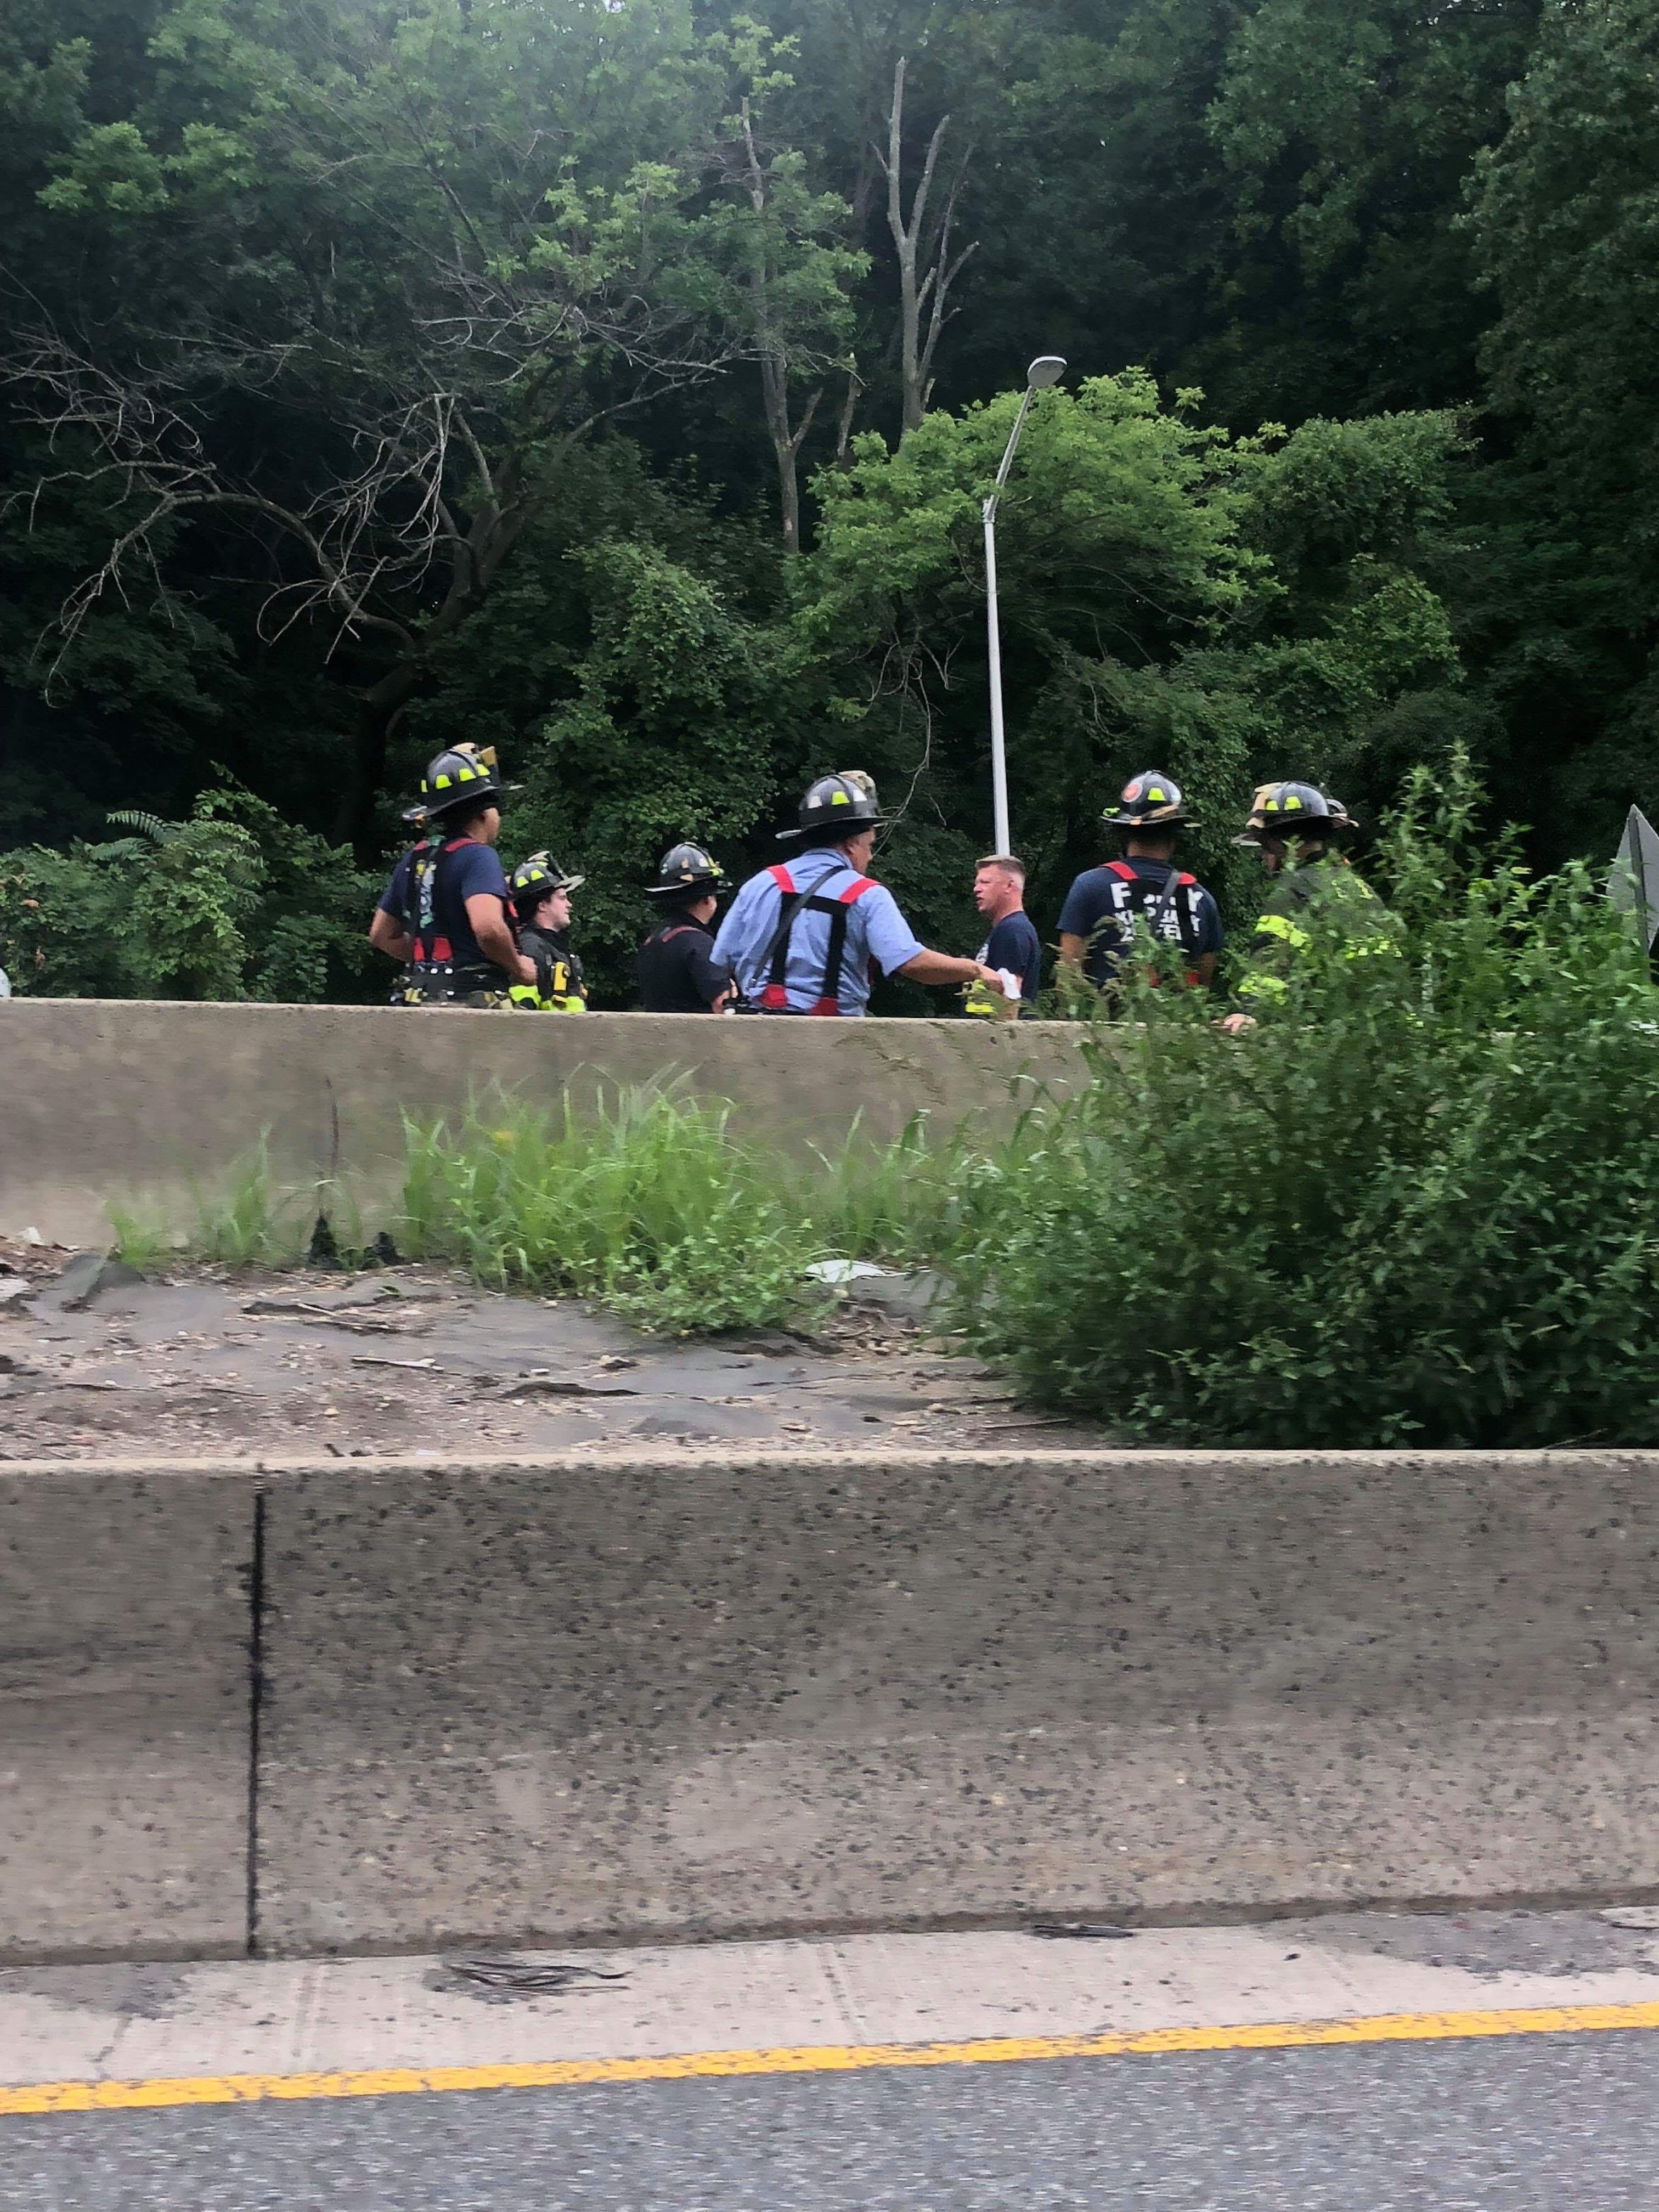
713 1692
139 1102
124 1611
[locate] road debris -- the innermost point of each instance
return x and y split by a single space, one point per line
216 1361
537 1384
87 1274
527 1978
1103 1930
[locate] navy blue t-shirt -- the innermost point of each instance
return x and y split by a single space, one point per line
1014 943
466 870
1089 903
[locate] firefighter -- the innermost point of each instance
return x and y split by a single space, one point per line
540 892
677 971
1299 831
1097 921
444 912
810 938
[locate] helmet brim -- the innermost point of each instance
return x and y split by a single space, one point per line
1152 822
695 887
1319 829
490 795
835 833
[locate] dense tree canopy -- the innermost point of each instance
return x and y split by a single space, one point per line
617 381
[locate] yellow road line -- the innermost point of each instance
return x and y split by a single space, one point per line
816 2059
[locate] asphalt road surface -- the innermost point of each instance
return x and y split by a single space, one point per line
1533 2121
1480 2061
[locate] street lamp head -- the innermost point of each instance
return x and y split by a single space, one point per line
1048 368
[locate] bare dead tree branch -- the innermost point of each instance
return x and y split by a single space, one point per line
926 269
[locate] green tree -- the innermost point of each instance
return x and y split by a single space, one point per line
230 903
1346 127
1226 608
1565 216
452 243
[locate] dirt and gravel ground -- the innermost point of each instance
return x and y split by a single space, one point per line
205 1362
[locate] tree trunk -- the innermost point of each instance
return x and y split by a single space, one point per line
378 710
476 561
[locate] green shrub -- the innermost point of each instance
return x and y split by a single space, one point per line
1415 1206
232 903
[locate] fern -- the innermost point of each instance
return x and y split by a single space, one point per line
147 825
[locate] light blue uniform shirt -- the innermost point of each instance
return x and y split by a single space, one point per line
876 930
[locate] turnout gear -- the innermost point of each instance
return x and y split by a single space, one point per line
1151 800
1291 810
560 985
837 807
461 775
1324 890
687 871
433 976
674 970
775 998
538 878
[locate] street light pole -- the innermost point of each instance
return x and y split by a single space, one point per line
1045 370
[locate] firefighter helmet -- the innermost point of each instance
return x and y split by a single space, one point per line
538 878
687 871
460 776
1151 800
837 807
1291 810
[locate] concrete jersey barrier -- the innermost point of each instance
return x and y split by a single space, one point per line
145 1102
707 1693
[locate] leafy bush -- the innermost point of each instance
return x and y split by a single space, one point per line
1414 1206
233 904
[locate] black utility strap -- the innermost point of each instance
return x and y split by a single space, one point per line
777 945
837 910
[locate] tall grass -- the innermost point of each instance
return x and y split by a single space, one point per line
649 1204
248 1222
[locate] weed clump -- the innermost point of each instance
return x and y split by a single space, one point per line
648 1203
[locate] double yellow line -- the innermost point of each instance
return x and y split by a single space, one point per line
814 2058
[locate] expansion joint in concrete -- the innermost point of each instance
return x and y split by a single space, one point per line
256 1692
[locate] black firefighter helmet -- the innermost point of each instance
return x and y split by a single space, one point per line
837 807
538 878
688 872
1151 800
1288 809
460 776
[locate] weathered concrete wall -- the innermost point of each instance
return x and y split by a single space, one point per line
511 1701
137 1101
124 1712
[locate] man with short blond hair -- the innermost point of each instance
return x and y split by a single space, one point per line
1013 947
